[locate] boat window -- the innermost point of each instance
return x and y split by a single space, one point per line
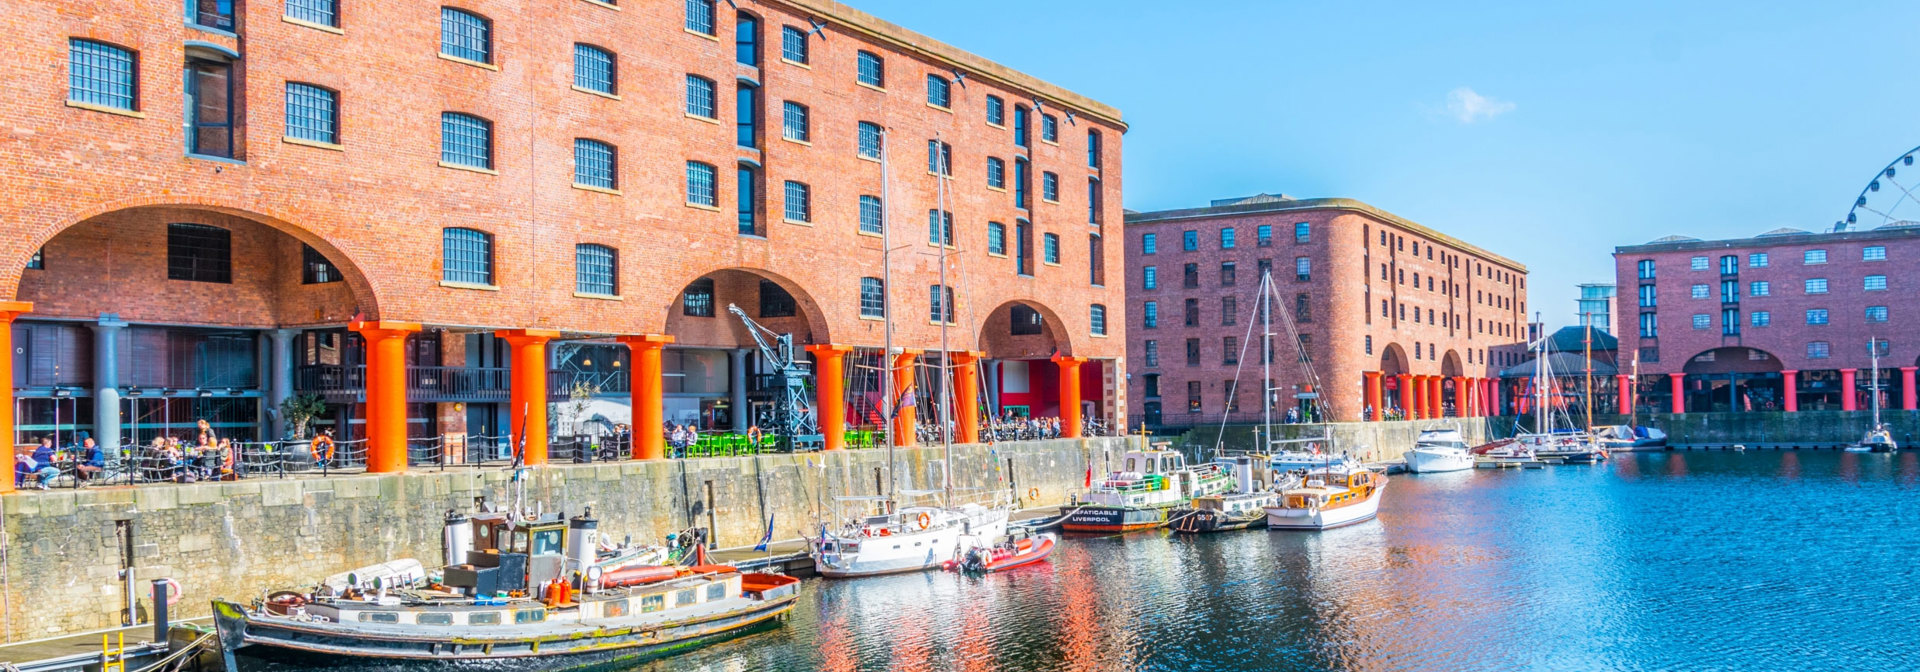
652 603
379 617
613 608
546 542
484 618
517 542
530 616
434 618
685 597
717 591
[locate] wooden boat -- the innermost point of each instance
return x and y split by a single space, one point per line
1017 552
519 596
1329 499
1139 495
1238 509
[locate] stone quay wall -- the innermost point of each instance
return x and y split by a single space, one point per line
1369 441
1809 429
63 550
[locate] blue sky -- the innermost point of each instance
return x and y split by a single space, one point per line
1547 132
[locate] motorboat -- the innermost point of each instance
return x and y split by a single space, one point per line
1240 508
1138 496
1630 438
528 587
1327 499
1439 449
908 539
1017 551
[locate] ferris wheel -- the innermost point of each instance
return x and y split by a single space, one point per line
1886 200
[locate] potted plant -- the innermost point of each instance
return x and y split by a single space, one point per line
299 411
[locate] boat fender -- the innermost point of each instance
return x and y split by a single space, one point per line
1033 493
323 448
925 521
1313 506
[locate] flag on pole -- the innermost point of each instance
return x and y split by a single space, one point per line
768 537
1089 473
907 400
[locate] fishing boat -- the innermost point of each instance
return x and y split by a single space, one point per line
1014 552
529 587
1439 449
1138 496
1879 438
1240 508
1327 499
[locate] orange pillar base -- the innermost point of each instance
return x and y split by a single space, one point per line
905 418
1790 387
1373 412
527 400
386 393
8 311
1406 396
966 396
1069 394
1679 381
1849 390
648 396
829 393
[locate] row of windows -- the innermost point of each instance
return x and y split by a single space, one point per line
1730 264
1396 243
1730 318
698 301
1229 311
1229 273
1190 239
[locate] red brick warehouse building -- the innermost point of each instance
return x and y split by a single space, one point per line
1393 318
1783 321
433 214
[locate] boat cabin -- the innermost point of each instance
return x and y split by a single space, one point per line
1153 462
511 556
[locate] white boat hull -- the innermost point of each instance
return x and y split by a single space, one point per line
912 551
1422 461
1285 518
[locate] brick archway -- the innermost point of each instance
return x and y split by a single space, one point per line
741 285
997 340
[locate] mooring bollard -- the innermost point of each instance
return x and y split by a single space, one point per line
160 599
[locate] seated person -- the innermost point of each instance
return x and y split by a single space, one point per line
91 460
43 469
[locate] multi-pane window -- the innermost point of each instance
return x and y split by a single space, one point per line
873 298
1879 347
700 95
996 173
1760 288
314 267
996 238
199 253
1813 257
215 14
1229 311
1761 318
1729 264
1192 316
465 35
793 44
1226 238
209 98
869 140
1150 315
939 227
1050 248
1730 321
100 74
776 301
1645 266
1193 359
1757 260
1049 186
313 113
940 304
1650 326
1049 128
747 199
1816 285
1699 291
593 270
1153 360
870 214
1098 317
1697 263
939 91
1729 291
1875 283
793 124
1816 316
466 256
1024 321
1263 235
466 140
939 158
1190 276
595 164
697 300
701 184
1096 204
1229 273
799 202
1702 321
1303 308
700 17
1303 269
1873 253
746 114
1876 313
1190 240
1819 350
746 40
1022 182
1149 243
872 70
1093 149
317 12
996 111
1150 277
593 69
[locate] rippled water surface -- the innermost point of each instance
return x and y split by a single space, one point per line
1663 561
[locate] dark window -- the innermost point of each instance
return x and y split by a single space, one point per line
775 301
746 200
1023 247
215 14
1022 183
101 74
873 298
746 112
746 40
465 35
319 12
1096 260
594 69
1229 353
697 300
1193 359
210 107
1265 266
1228 274
1024 321
1093 149
1302 308
199 253
466 256
939 91
38 261
595 270
996 111
313 113
466 140
1096 206
1229 311
595 164
1190 276
315 269
700 17
1193 313
793 44
872 70
1020 117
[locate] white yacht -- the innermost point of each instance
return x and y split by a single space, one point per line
910 539
1328 499
1439 449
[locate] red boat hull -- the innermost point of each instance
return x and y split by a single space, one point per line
1035 552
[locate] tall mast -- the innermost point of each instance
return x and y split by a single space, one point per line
1266 356
1588 319
887 402
1873 347
946 308
1542 377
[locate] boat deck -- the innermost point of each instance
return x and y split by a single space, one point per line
789 556
72 651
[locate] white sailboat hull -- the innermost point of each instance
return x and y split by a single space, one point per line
910 551
1286 518
1432 461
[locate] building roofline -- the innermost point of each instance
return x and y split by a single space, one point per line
1309 204
1775 240
973 64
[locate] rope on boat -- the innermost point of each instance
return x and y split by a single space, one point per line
182 653
1184 516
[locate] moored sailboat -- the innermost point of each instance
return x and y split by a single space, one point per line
1879 438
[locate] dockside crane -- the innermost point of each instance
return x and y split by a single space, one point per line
793 418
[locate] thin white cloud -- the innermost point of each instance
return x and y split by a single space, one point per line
1466 106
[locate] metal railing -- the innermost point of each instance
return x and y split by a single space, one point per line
426 383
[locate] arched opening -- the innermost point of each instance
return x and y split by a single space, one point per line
1393 363
1450 371
1020 338
1739 379
717 378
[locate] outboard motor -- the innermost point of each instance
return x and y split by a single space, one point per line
456 538
583 540
1243 473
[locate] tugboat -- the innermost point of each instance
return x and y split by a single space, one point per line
1137 497
1328 499
1238 509
527 587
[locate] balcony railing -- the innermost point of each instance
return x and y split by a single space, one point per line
424 383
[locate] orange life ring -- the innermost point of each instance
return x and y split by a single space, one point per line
1033 493
318 442
925 521
753 436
